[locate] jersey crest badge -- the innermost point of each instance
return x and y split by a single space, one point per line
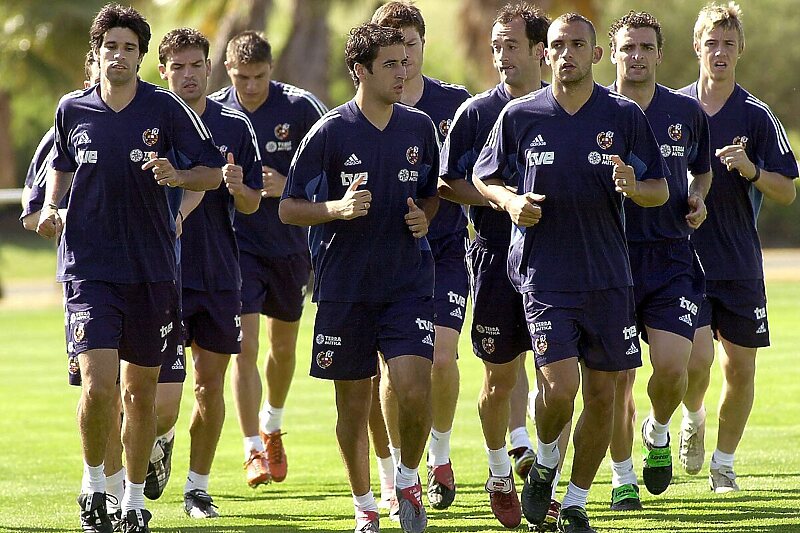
675 132
412 155
80 331
540 344
282 131
444 127
150 137
605 139
325 359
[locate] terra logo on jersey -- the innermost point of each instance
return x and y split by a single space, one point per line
538 159
407 175
348 178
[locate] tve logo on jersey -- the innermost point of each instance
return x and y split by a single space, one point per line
87 156
538 159
348 178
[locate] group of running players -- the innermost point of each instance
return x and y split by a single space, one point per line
182 218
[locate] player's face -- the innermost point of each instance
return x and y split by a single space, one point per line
513 57
414 50
388 76
118 56
187 72
718 52
251 81
636 55
570 52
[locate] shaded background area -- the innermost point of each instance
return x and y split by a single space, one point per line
42 45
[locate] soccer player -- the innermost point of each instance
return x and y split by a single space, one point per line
499 332
210 274
668 281
365 180
116 254
564 146
752 159
273 256
448 239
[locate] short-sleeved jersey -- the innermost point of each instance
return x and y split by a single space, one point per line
681 129
118 226
36 178
210 254
280 123
373 258
579 243
727 242
440 101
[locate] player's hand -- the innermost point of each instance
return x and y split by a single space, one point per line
624 177
524 209
163 171
50 224
354 203
734 157
697 211
233 176
416 220
274 182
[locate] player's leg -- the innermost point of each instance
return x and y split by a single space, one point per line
520 446
693 423
624 484
113 467
380 445
390 412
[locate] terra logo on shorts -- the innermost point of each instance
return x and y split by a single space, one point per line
328 340
412 154
325 358
489 330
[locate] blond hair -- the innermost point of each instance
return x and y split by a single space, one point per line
727 17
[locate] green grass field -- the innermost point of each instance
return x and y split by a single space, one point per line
40 462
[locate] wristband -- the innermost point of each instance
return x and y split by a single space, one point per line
51 205
756 176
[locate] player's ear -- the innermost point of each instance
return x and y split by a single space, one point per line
546 56
162 71
597 54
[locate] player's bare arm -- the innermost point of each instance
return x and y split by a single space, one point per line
274 182
698 190
460 191
646 193
523 209
774 185
50 223
199 178
300 212
245 199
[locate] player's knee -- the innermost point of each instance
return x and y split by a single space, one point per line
209 389
99 393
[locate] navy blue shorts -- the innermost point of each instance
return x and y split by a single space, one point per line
348 336
499 331
139 320
451 286
668 286
275 286
597 326
213 320
737 309
173 369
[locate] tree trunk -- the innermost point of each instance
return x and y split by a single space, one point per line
8 177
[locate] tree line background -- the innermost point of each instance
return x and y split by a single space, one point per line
42 46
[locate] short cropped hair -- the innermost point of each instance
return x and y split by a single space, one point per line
116 16
181 39
634 19
400 15
536 21
88 67
248 47
569 18
715 15
364 43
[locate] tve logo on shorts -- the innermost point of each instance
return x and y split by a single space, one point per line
629 332
423 324
165 330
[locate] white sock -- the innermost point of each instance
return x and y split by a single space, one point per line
196 481
694 418
622 473
134 496
386 475
547 454
556 479
519 438
168 436
439 448
115 486
575 497
271 418
94 479
405 477
499 462
365 502
395 456
656 432
252 443
719 459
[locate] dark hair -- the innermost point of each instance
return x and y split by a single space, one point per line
87 67
536 21
363 45
248 47
635 19
116 16
181 39
569 18
400 15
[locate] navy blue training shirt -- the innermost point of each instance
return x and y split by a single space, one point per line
36 178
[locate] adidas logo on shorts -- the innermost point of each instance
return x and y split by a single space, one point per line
762 328
686 318
457 313
352 160
633 350
428 340
177 365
